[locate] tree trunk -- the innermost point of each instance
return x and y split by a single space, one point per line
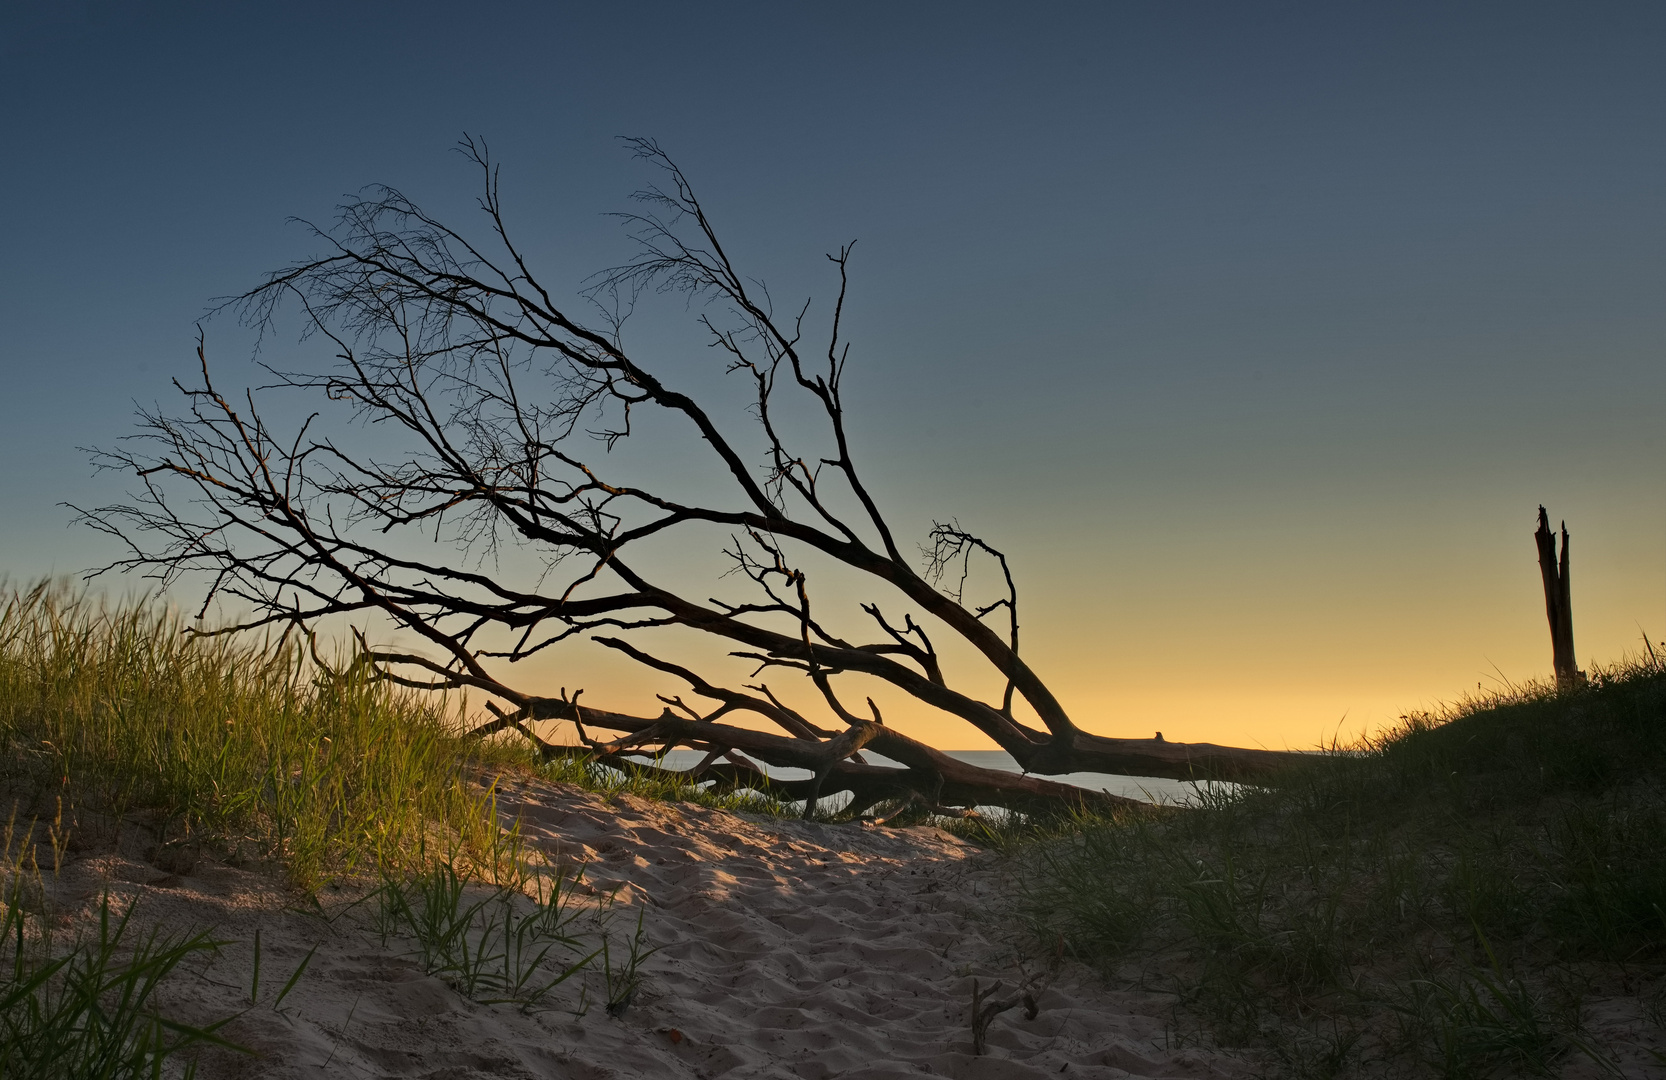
928 776
492 398
1558 604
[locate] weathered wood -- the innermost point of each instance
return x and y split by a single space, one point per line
489 389
937 778
1085 752
1558 604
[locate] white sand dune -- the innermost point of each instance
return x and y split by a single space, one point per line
786 949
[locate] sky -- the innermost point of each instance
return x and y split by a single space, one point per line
1254 334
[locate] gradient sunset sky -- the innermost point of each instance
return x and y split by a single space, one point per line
1255 333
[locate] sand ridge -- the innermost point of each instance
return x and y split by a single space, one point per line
785 949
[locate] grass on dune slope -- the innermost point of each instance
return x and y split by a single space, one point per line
1444 900
114 718
115 723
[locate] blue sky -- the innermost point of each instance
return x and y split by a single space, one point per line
1255 333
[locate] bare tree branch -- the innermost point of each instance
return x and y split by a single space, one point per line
489 411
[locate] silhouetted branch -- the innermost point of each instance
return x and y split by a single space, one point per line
493 409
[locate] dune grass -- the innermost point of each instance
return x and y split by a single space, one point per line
1441 900
115 718
87 1011
120 729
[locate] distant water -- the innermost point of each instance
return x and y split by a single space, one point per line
1146 788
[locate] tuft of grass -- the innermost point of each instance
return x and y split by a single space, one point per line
493 943
1428 900
120 717
622 980
90 1010
1478 1021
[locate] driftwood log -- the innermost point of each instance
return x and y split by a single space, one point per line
467 416
943 784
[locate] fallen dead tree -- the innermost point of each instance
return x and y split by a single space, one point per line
929 777
494 411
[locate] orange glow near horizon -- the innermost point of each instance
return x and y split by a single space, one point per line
1312 675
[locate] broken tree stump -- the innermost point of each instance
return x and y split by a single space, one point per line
1558 604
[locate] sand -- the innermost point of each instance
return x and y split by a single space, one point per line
785 949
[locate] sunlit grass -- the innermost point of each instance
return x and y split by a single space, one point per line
115 718
1438 900
116 721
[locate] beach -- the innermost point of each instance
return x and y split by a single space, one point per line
781 948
